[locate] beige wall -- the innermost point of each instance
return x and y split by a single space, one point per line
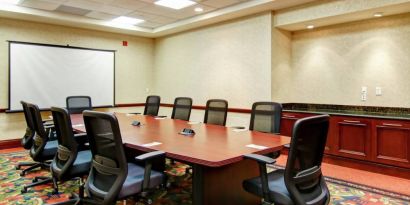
134 63
231 60
331 64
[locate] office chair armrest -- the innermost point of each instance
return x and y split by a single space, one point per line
150 155
148 166
260 158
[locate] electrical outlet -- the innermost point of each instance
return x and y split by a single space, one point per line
378 91
364 93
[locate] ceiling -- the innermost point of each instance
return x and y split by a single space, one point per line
158 20
153 15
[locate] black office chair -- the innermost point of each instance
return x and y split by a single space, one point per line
301 182
216 112
77 104
71 160
42 150
27 140
152 105
111 177
182 108
265 117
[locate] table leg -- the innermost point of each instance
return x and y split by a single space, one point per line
223 185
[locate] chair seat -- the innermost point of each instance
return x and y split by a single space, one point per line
50 150
82 164
134 181
277 188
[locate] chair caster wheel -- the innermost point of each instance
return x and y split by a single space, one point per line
149 201
17 167
24 190
22 174
35 180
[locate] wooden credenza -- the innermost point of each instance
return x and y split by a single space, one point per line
367 139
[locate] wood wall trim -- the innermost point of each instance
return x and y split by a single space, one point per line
7 144
2 110
197 107
130 105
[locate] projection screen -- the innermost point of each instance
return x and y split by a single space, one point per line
46 74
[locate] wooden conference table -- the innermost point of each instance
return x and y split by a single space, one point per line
215 153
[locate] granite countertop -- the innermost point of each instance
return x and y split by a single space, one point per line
350 110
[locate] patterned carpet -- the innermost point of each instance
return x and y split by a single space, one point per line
343 193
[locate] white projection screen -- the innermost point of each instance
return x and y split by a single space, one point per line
46 74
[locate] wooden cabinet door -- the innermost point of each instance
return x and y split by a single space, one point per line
391 142
288 119
352 137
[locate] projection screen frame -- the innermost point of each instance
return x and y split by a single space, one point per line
58 46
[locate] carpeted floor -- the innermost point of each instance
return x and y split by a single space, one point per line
342 192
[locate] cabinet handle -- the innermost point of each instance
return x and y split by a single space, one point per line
352 121
288 116
392 125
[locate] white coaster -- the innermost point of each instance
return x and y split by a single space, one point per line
260 147
151 144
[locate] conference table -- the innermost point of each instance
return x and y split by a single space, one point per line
214 152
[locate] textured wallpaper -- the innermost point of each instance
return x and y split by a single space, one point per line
331 64
134 63
231 60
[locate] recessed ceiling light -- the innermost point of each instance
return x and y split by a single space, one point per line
175 4
310 26
123 20
10 1
199 9
378 14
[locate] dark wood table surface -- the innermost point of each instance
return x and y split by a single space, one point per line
215 152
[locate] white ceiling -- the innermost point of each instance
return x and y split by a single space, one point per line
154 15
159 20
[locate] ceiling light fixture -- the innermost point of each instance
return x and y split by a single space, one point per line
199 9
175 4
123 20
10 2
378 14
310 26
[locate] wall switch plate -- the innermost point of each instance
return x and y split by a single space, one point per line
378 91
364 93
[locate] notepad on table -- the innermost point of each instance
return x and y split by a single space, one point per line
151 144
260 147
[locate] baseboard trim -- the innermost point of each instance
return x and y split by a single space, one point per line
364 165
7 144
2 110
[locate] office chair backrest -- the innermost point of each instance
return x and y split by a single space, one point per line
152 105
303 175
216 111
265 117
41 136
109 165
27 140
77 104
67 146
182 108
